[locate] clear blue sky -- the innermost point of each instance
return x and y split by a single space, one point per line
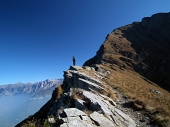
39 37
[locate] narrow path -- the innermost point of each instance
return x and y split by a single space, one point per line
139 117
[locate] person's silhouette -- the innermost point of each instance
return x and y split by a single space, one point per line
74 61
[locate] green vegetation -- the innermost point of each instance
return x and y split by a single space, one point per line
36 123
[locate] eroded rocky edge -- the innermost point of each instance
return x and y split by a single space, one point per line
82 104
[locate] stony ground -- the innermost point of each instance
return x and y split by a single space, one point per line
139 117
123 104
83 100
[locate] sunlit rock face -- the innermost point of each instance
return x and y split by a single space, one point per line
82 102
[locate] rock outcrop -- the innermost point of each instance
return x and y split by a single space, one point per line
141 46
82 103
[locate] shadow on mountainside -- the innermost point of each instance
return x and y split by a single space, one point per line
141 46
151 41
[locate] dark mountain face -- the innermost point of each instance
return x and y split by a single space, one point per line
30 88
141 46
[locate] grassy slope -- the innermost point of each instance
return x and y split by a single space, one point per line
138 90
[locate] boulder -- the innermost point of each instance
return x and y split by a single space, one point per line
87 68
51 120
129 121
155 91
96 103
85 84
71 112
109 99
77 123
71 77
76 68
101 120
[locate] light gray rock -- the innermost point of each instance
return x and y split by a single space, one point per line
68 119
95 81
96 102
82 75
72 76
130 122
71 112
51 120
84 84
71 92
76 68
108 98
117 121
155 91
87 68
86 119
68 74
101 120
76 123
98 76
110 107
92 68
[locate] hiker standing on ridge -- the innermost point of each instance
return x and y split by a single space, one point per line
74 61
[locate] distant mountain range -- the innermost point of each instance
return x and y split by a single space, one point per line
34 89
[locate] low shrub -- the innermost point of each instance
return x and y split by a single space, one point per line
59 91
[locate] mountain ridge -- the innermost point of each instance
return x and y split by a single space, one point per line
28 88
122 85
140 46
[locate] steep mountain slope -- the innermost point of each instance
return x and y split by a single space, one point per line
115 96
30 88
120 86
81 101
141 46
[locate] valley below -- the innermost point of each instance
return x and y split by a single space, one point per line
19 101
14 109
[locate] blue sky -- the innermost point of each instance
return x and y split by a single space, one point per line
39 37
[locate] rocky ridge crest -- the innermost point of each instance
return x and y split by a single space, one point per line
141 46
82 100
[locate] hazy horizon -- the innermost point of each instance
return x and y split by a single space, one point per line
16 108
28 82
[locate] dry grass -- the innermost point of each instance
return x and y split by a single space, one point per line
110 93
138 104
108 90
88 112
59 91
162 120
90 73
77 94
137 88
